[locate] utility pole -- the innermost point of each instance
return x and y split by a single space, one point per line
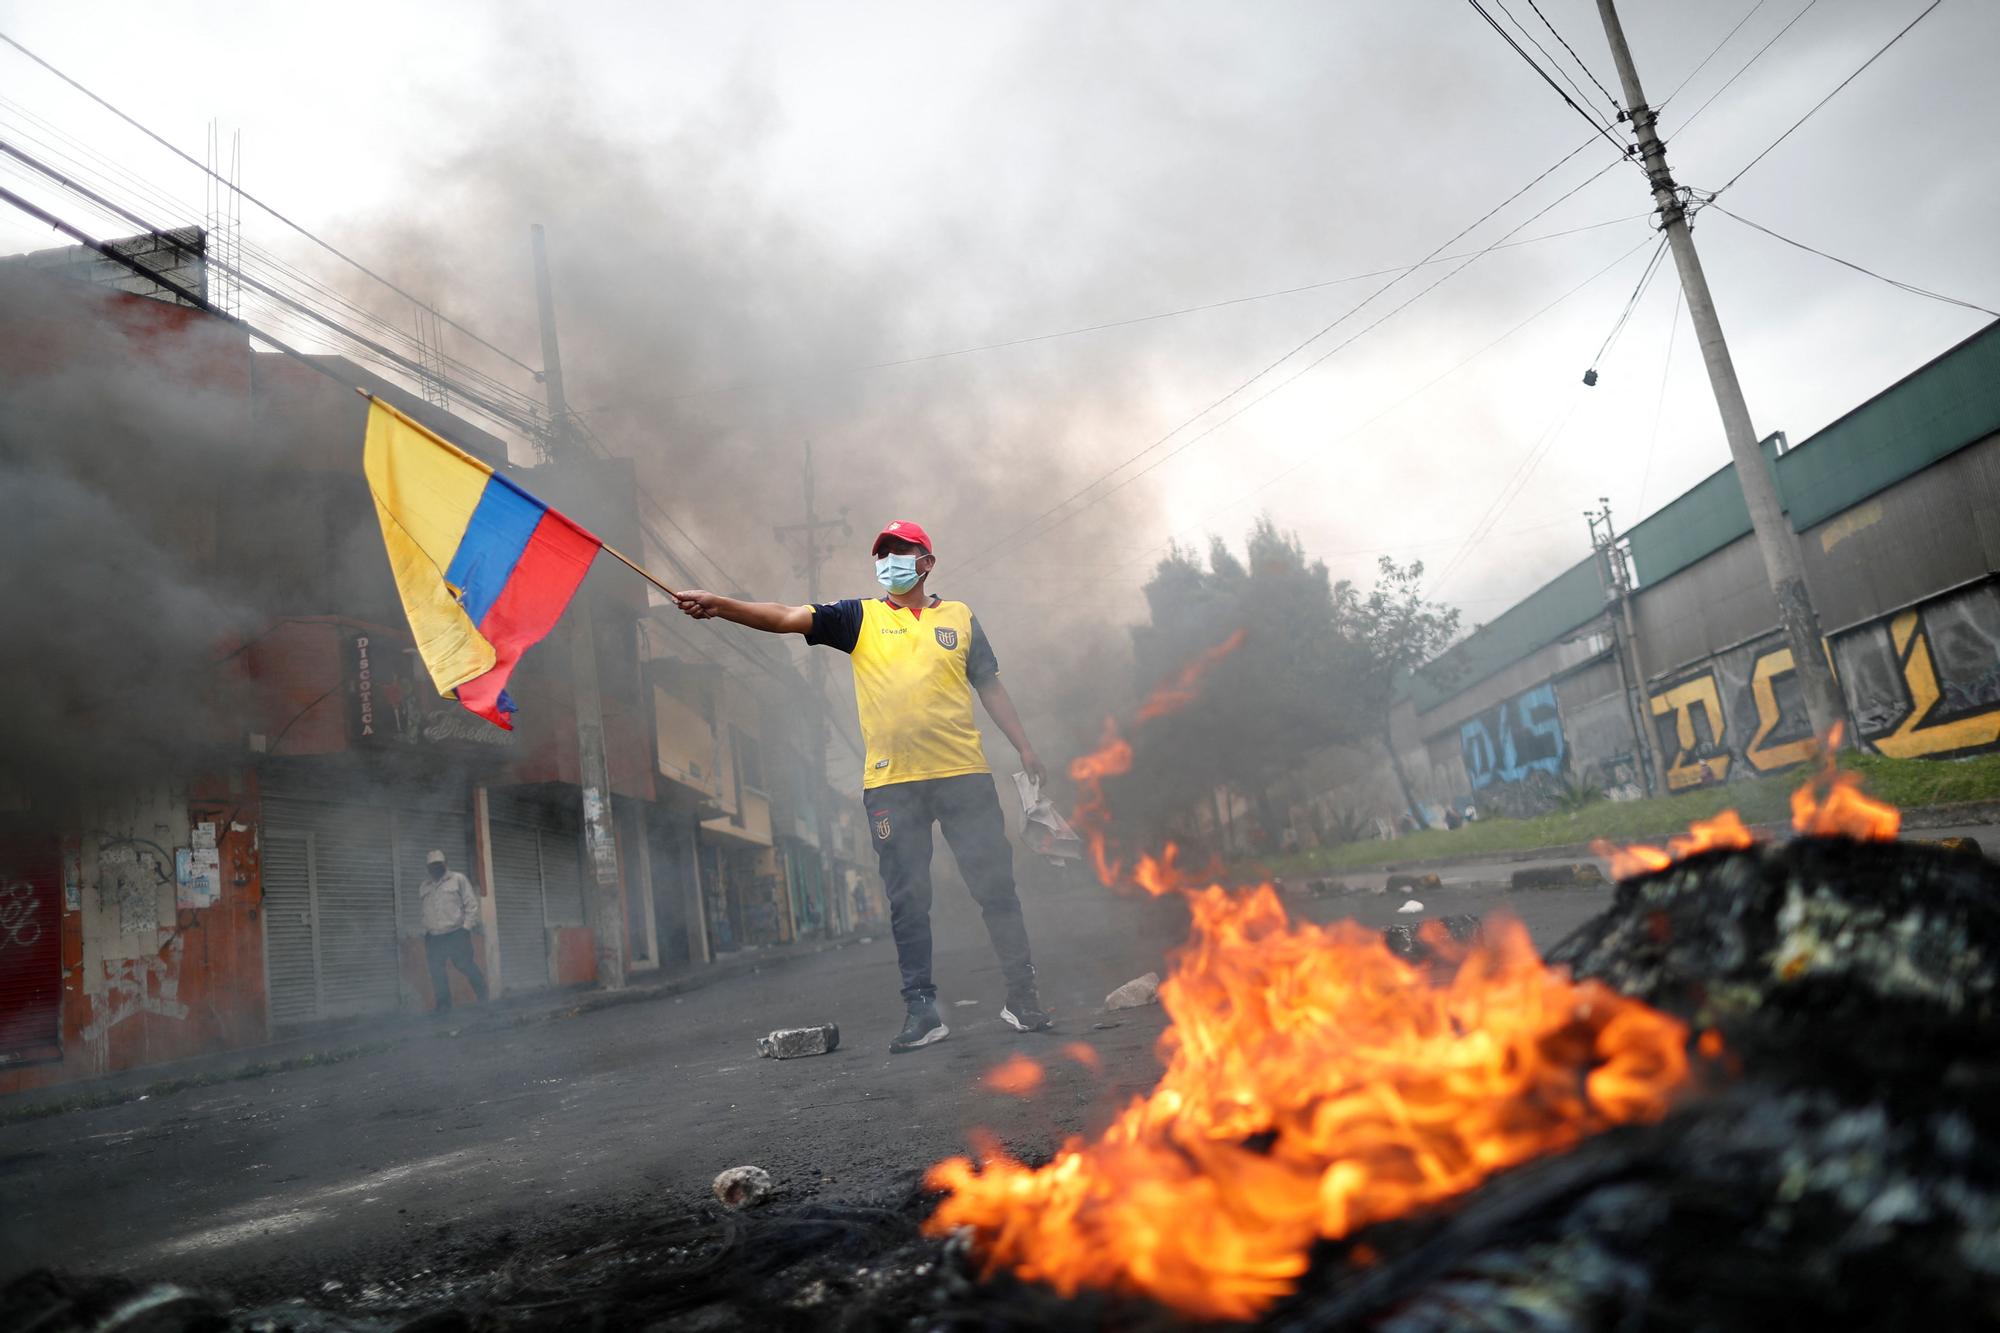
816 674
605 904
1775 539
1624 635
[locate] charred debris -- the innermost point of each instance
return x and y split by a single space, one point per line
1839 1169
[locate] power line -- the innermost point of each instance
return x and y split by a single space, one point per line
1714 51
1631 304
1588 72
1744 68
1911 288
1928 9
1511 489
1554 63
297 227
254 259
746 385
1660 404
1063 504
1148 552
1574 105
255 284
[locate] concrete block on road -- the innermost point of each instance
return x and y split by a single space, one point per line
1136 993
791 1043
743 1186
1578 875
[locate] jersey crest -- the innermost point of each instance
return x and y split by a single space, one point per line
947 637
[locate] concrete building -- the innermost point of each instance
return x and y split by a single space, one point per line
1897 509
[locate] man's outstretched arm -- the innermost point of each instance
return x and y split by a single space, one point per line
771 617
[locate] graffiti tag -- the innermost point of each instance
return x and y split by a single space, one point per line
18 927
1519 737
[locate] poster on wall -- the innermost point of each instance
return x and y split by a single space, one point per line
197 876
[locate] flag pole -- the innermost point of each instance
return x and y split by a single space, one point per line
628 562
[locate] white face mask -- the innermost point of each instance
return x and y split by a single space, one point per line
897 573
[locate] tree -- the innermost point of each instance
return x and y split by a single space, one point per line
1318 665
1394 631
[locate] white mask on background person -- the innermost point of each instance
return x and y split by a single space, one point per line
897 573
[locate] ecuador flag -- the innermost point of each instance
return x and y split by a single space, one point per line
484 568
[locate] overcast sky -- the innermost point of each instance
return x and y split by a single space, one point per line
747 201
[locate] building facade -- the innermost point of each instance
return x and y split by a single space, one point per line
233 764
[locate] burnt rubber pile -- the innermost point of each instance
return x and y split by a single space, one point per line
1837 1165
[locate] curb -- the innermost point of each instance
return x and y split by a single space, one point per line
1924 817
289 1054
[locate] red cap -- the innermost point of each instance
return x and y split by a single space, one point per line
902 529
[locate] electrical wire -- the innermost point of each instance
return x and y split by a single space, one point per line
273 212
1911 288
746 385
1904 32
1660 404
1034 524
1554 63
1744 68
1591 75
80 159
1595 124
1631 304
1511 489
1325 453
255 284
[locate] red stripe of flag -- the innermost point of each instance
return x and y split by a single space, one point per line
546 576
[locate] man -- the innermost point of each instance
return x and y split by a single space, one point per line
451 911
918 660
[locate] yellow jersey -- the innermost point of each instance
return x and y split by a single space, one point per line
914 673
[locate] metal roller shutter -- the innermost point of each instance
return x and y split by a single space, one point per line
352 891
354 887
291 966
517 905
30 949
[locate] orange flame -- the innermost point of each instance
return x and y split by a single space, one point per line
1832 804
1017 1076
1185 687
1113 758
1315 1083
1726 830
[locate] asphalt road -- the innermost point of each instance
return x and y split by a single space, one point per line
326 1182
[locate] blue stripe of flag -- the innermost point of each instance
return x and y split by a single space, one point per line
502 522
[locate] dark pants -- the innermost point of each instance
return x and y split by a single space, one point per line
900 816
454 947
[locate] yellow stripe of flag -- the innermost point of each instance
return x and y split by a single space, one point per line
425 491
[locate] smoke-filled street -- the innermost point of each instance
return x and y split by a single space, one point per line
999 666
449 1152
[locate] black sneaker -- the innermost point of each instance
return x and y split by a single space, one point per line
1024 1011
921 1028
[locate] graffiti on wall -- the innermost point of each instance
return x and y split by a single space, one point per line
1513 740
1926 682
1740 713
1923 683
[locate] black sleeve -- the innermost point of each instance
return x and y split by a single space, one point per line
980 664
836 624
